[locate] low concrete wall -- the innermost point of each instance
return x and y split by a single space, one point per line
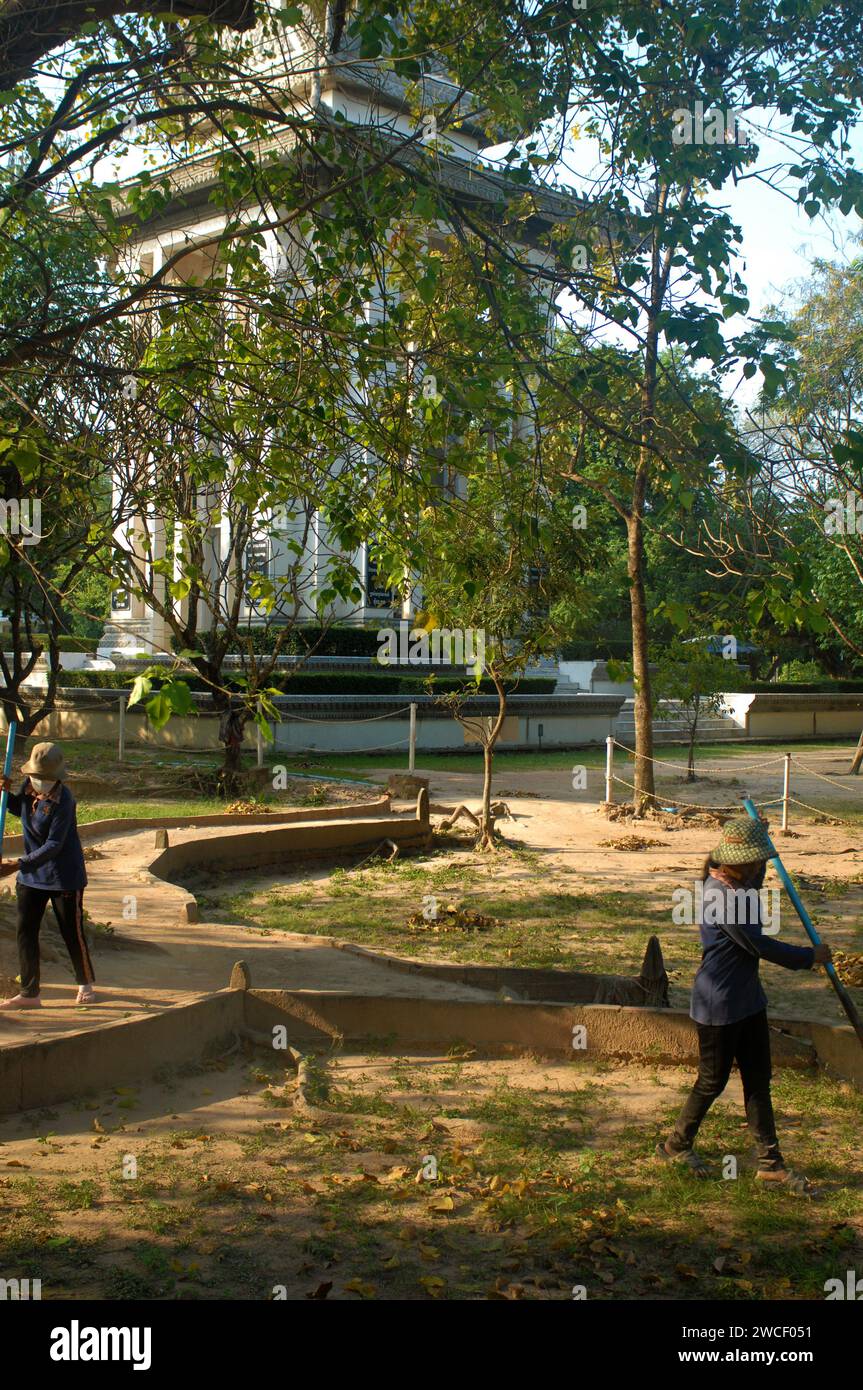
34 1074
558 986
787 715
332 723
628 1033
110 1054
99 829
278 845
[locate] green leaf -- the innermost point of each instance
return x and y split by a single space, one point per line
141 686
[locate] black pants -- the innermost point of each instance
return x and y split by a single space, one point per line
748 1044
69 911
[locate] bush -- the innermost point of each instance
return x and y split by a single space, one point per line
825 687
336 641
597 649
66 642
319 683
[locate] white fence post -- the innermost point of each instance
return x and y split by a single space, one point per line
786 787
121 727
412 745
609 769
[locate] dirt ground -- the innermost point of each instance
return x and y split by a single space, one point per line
418 1177
568 894
433 1177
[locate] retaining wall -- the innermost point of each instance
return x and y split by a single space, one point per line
277 845
98 829
34 1074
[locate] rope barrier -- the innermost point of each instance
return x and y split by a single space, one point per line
857 791
702 767
696 805
341 753
304 719
819 811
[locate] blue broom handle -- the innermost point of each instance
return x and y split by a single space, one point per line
792 892
7 769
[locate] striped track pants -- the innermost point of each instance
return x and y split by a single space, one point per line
69 912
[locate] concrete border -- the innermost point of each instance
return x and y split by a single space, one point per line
277 845
96 829
531 984
48 1072
625 1032
39 1073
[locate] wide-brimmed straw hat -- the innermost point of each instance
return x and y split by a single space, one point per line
743 841
46 760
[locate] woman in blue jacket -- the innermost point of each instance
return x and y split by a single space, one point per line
51 869
728 1004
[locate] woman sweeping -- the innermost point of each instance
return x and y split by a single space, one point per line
728 1004
50 870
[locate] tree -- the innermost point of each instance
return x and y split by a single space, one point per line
694 677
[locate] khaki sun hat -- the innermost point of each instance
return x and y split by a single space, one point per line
46 760
743 841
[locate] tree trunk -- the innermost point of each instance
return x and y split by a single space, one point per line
644 794
486 839
693 730
229 775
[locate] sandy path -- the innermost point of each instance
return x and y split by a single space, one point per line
173 961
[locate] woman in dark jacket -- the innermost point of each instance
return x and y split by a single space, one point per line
50 870
728 1004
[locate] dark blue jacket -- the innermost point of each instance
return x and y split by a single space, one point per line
727 988
53 859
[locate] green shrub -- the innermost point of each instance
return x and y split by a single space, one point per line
597 649
336 641
66 642
363 682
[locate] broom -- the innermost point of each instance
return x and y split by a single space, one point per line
7 768
844 997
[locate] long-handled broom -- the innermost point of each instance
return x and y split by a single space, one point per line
7 768
844 997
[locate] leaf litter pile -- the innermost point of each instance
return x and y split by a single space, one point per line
688 817
632 842
849 968
454 917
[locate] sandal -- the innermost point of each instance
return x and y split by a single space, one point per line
787 1178
686 1158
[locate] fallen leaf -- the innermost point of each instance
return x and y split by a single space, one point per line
433 1285
364 1290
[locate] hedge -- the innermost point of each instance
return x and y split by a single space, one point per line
320 683
840 687
597 649
335 641
66 642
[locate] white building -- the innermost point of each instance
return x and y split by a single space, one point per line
319 85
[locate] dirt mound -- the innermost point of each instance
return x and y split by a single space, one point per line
632 842
690 817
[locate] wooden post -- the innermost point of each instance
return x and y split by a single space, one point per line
412 744
609 769
121 734
786 785
858 757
